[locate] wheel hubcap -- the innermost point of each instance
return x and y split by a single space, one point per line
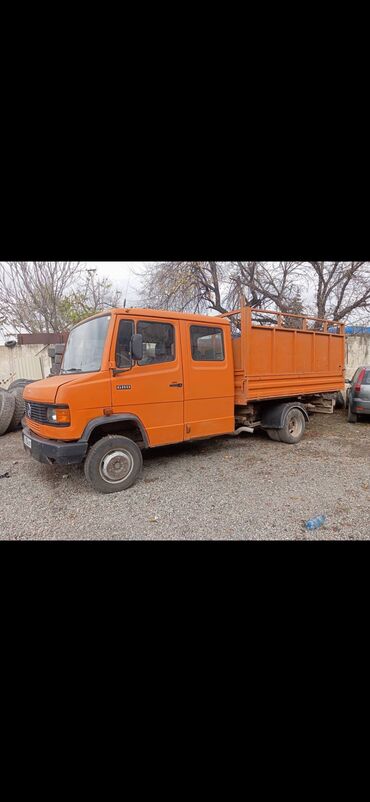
294 427
116 466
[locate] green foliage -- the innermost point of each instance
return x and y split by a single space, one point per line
89 299
72 310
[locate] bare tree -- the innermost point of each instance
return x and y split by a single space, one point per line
31 293
91 296
185 286
266 284
50 296
218 286
342 289
336 290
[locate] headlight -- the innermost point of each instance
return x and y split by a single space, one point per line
58 415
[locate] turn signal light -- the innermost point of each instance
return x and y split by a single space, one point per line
58 415
63 416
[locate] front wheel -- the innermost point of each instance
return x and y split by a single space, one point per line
294 427
113 464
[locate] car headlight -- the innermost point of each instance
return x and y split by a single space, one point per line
58 415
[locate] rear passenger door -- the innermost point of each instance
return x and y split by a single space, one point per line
208 380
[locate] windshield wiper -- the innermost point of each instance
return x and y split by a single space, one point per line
72 370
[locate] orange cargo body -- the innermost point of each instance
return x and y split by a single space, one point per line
273 361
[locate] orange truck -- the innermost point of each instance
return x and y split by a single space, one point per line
133 379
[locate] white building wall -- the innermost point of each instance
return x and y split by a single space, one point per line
357 352
23 362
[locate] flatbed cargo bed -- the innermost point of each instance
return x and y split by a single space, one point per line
280 355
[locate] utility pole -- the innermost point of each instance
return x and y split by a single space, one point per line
91 271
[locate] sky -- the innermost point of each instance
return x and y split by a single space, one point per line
123 275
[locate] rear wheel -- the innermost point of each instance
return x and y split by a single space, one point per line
113 464
339 401
294 427
351 417
273 434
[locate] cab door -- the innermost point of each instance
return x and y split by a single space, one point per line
209 400
153 388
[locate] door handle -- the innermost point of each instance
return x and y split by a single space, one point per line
175 384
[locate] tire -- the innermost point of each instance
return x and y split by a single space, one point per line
7 404
20 383
351 417
294 427
273 434
339 401
19 409
100 470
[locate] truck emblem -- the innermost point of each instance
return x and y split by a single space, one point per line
123 387
29 410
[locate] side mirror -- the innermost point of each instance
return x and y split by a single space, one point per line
137 347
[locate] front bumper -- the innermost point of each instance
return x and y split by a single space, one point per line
53 451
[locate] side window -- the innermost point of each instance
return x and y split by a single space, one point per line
123 347
158 342
207 344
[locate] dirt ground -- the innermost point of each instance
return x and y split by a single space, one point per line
246 488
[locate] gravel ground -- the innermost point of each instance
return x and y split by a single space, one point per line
248 488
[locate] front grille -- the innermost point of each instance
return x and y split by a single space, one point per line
36 412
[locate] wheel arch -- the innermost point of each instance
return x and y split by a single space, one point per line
115 424
275 415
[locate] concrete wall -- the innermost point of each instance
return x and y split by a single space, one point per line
23 362
357 352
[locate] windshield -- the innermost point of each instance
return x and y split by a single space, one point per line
85 346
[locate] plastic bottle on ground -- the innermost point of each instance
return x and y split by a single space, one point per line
315 523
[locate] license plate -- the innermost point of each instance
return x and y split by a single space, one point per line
27 441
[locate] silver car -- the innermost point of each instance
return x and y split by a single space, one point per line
358 394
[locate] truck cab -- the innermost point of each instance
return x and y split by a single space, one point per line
132 379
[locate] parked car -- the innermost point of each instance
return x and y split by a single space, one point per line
358 394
